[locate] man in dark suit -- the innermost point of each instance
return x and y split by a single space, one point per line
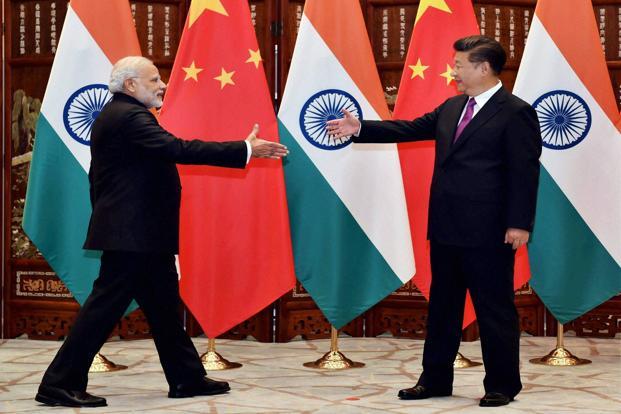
135 194
481 208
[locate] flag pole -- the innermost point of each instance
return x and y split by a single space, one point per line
213 361
102 364
334 359
560 356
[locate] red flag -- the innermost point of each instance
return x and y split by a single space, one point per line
235 246
425 84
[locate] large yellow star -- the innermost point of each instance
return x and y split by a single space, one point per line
225 78
418 69
199 6
255 57
436 4
192 72
447 74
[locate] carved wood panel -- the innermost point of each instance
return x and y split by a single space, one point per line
54 323
298 315
32 33
508 21
290 18
37 302
604 321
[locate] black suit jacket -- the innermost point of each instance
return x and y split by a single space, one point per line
484 183
134 185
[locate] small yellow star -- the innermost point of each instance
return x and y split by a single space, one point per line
225 78
192 72
197 7
447 74
255 57
418 69
436 4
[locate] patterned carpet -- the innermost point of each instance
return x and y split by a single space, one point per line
273 379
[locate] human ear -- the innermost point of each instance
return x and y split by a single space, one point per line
129 85
486 68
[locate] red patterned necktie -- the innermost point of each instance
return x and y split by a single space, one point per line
466 119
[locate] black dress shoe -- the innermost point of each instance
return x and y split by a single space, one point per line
420 392
494 399
58 396
206 386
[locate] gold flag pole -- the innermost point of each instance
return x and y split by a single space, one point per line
463 362
335 358
102 364
213 361
560 356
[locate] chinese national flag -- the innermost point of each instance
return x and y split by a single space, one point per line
425 84
235 247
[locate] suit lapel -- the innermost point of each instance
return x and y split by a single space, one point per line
488 111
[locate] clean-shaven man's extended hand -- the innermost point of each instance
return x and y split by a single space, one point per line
265 149
339 128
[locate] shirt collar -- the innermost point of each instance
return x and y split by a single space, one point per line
482 98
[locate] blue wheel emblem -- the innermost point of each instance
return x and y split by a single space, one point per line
81 110
322 107
564 117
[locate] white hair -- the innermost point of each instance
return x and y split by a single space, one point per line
126 68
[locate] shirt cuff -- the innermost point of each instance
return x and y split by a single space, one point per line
248 152
357 134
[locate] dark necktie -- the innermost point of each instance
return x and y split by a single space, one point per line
466 119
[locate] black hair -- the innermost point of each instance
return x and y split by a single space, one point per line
483 49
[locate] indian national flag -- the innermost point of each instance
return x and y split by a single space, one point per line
95 35
575 251
349 223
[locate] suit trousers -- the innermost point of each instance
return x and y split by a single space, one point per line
487 272
149 278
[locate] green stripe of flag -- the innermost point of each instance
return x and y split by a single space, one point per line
334 259
569 285
58 210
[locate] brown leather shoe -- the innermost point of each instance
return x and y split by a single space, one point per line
205 387
55 396
494 399
420 392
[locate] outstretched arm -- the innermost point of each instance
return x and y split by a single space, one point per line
422 128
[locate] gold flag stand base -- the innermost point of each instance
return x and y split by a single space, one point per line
335 358
102 364
213 361
560 357
463 362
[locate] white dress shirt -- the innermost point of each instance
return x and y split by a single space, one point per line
480 100
249 152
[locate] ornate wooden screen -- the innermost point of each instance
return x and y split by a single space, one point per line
38 304
404 312
389 23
